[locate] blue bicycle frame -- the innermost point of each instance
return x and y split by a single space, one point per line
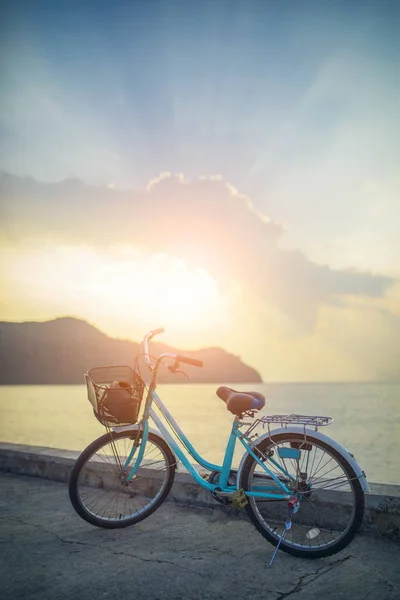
263 491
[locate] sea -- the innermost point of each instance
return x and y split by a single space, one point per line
366 417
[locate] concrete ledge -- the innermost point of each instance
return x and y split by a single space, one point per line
382 515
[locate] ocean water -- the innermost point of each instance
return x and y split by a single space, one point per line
366 417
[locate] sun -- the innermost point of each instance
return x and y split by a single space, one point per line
175 294
156 290
187 295
123 291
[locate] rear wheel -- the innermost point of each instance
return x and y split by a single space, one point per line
99 490
332 500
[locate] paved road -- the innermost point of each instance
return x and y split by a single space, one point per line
47 552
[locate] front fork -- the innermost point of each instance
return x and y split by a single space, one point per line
139 442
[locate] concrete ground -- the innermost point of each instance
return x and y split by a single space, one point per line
48 552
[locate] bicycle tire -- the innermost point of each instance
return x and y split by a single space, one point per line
267 531
83 461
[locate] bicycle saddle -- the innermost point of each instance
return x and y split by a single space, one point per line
239 402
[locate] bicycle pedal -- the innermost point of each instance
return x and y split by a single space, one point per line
239 499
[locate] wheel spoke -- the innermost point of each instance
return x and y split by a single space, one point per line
102 492
321 476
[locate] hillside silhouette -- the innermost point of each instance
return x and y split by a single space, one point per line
61 350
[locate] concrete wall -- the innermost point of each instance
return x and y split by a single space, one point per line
382 516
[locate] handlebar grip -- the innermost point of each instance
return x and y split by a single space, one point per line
157 331
189 361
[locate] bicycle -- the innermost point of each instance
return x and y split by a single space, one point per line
302 490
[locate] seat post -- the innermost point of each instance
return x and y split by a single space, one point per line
230 449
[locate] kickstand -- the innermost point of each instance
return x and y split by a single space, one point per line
288 525
293 508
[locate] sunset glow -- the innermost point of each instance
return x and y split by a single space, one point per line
227 172
125 291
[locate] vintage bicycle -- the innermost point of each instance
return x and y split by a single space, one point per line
303 491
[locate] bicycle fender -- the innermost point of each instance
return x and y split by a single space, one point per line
151 430
321 437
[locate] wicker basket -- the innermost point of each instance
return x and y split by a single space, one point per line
115 393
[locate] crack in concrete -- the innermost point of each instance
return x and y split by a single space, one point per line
205 551
79 543
302 583
120 553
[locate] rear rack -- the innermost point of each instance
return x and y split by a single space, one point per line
285 420
314 421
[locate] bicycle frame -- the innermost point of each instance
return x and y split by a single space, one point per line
103 490
224 469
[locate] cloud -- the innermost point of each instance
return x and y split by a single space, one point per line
367 333
205 222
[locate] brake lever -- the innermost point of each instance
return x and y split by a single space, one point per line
183 373
174 370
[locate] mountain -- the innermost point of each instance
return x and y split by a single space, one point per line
60 351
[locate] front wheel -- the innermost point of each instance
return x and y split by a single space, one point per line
331 498
99 488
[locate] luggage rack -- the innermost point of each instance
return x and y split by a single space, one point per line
285 420
314 421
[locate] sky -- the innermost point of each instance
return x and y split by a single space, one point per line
227 169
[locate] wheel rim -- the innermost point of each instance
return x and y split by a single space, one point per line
328 496
102 486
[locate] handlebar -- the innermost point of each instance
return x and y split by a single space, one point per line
157 331
189 361
178 358
145 343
